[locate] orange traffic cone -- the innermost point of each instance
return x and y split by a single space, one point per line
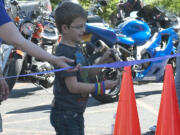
168 119
127 121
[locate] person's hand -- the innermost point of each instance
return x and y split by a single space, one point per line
63 63
76 68
109 84
4 90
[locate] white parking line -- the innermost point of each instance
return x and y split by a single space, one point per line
25 121
21 84
28 132
147 107
10 131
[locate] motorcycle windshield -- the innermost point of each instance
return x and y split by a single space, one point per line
102 32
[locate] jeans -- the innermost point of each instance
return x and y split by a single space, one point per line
67 122
177 77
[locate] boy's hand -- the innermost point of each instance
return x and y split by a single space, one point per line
76 68
109 84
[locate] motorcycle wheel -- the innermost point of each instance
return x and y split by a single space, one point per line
172 61
13 68
111 95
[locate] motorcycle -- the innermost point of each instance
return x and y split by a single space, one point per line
40 29
11 61
158 19
132 40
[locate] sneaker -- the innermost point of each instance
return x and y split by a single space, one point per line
153 128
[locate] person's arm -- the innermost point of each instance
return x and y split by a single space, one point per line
84 88
10 34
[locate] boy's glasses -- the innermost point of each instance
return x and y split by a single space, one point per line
77 27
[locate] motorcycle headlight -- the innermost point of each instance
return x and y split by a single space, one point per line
27 28
86 37
49 28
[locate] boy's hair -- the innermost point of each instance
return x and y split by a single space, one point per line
67 13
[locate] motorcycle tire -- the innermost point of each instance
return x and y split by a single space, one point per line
172 61
13 68
111 95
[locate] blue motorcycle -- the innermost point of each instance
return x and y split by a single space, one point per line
132 40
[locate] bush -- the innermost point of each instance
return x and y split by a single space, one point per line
107 10
170 5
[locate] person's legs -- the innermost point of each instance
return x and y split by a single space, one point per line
56 119
67 122
177 77
75 123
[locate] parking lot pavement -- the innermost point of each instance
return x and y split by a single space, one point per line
26 112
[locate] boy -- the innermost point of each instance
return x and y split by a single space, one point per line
70 91
11 35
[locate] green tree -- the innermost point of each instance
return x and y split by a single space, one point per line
111 8
107 10
54 3
170 5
